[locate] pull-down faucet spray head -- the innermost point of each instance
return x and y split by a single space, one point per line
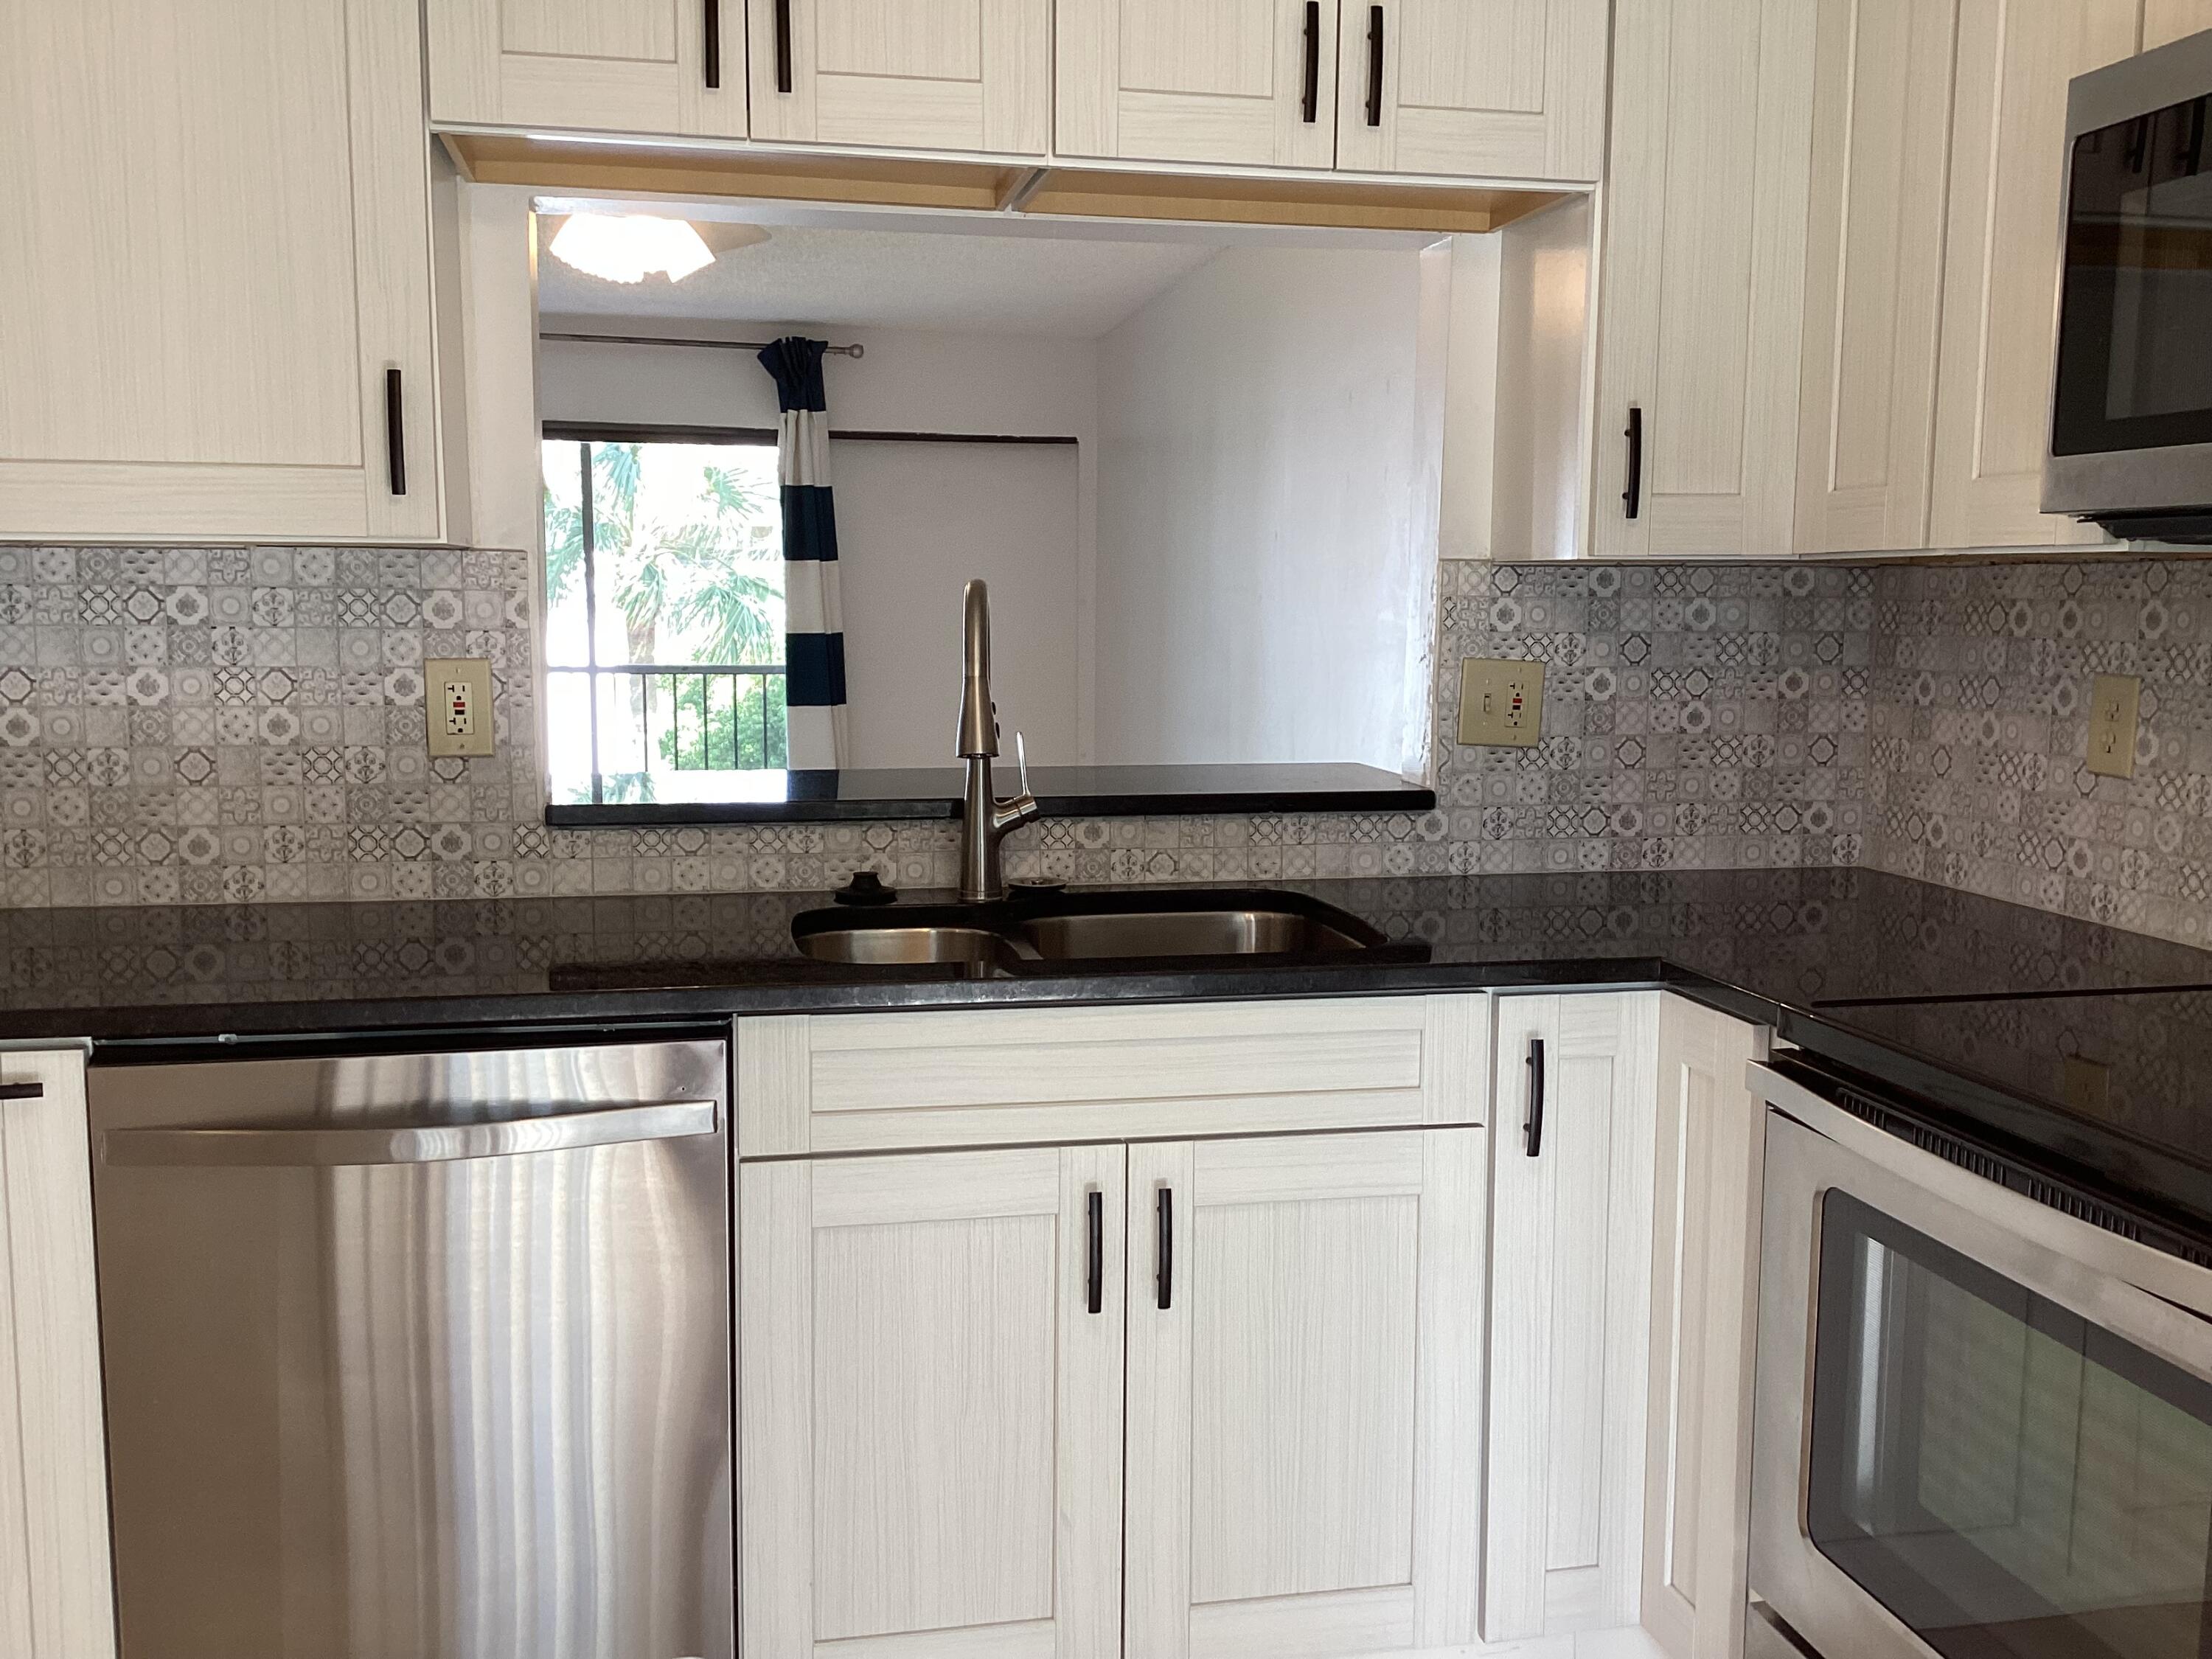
979 720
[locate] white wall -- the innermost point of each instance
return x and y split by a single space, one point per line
915 522
1266 515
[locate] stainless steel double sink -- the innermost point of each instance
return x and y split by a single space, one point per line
1034 933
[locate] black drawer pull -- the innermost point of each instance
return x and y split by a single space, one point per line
1163 1276
714 45
783 46
1633 495
1309 105
1375 66
395 429
1096 1279
23 1091
1532 1127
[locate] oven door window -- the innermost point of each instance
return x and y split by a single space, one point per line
2134 370
2004 1477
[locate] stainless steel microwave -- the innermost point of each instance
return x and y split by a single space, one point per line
2132 388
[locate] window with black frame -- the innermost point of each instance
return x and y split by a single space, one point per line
663 615
2008 1479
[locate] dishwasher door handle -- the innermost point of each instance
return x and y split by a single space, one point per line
429 1143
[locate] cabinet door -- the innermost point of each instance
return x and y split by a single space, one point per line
930 1428
1486 88
969 74
56 1590
2165 21
2001 262
1874 273
1701 312
1305 1319
1704 1294
218 246
1249 82
1570 1312
672 66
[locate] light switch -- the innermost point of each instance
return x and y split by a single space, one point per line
2114 701
457 690
1501 703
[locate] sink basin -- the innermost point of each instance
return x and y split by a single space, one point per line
1060 928
1243 931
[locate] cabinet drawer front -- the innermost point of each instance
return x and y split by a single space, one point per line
812 1083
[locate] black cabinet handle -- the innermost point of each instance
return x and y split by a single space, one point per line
1633 495
783 46
1096 1281
1532 1127
1164 1275
714 45
37 1092
395 430
1375 66
1310 105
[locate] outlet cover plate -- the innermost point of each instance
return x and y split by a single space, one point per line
2114 703
1501 703
456 699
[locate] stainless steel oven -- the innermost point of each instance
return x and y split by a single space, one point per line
1983 1424
2131 398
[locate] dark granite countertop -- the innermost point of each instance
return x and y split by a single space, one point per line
2031 1028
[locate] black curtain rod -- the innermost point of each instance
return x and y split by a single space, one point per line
853 350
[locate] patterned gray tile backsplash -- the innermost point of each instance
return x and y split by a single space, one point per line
235 725
1978 712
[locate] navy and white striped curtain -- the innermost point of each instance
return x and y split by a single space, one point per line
814 623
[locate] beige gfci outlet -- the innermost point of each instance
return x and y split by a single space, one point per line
1500 703
2114 703
457 695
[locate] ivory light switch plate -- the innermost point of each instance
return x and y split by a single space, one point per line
2114 702
457 690
1500 703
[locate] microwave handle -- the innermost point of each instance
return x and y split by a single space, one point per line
429 1143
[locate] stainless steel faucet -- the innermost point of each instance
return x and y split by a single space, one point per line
986 820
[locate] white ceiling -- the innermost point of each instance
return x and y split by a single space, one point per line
942 281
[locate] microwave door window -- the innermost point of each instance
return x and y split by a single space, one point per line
2134 349
2009 1480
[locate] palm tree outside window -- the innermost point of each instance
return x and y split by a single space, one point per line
664 615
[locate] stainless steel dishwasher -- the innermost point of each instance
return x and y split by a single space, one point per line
419 1356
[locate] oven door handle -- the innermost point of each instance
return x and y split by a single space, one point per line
429 1143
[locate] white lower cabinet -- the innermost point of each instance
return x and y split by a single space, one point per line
1705 1297
55 1599
1570 1312
1304 1442
930 1363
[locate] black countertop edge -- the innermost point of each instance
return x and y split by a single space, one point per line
610 1003
935 794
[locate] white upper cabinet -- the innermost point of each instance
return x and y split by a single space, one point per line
1571 1149
1701 307
216 282
1874 275
930 1419
2166 20
1245 82
57 1600
2001 262
645 66
1500 89
1305 1435
957 74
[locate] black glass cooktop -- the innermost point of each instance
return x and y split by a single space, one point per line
2118 1083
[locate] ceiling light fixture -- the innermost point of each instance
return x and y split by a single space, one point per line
627 247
